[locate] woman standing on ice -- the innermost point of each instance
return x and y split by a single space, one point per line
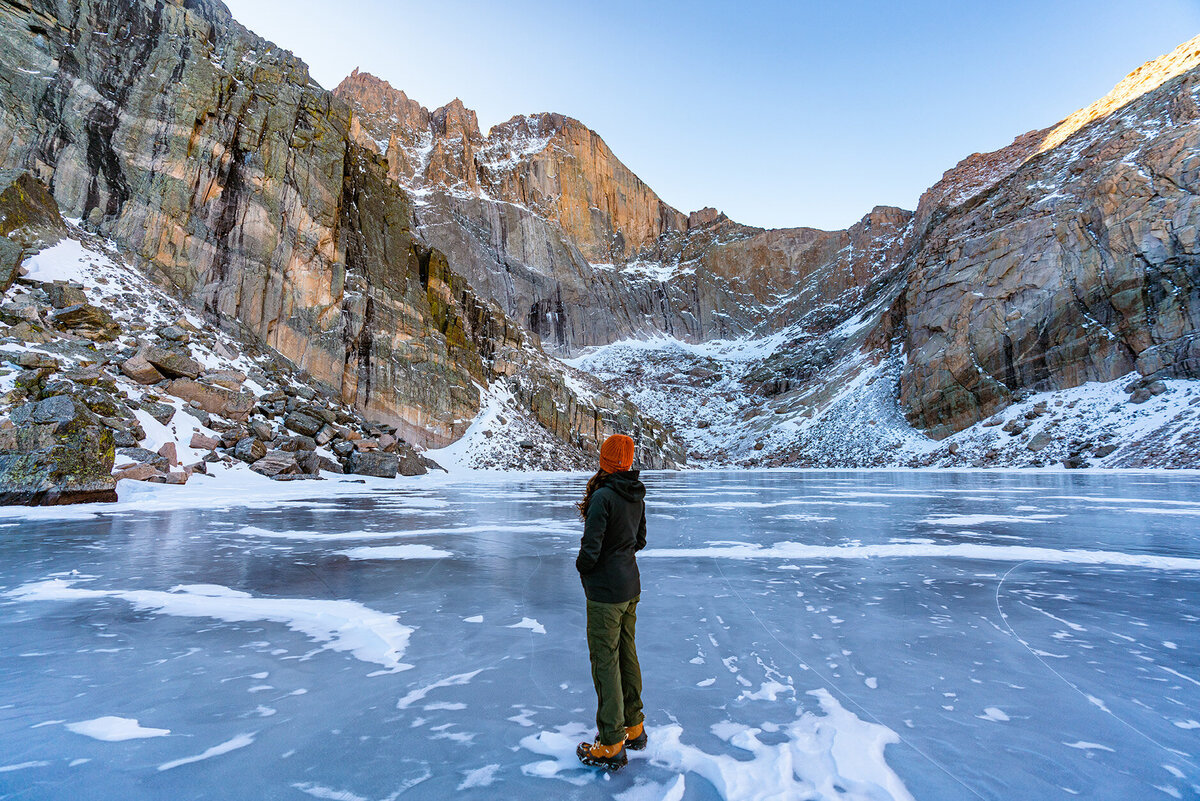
614 509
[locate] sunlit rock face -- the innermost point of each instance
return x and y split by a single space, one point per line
211 154
1073 258
553 165
540 216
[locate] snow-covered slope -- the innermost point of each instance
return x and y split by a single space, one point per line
719 397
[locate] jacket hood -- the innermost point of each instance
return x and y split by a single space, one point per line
627 485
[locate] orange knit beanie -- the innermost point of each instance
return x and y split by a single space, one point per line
616 454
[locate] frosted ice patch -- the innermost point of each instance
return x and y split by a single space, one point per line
805 518
529 623
240 741
768 691
975 520
998 553
559 745
480 777
1084 745
321 791
544 526
822 752
411 551
653 791
337 625
211 591
449 681
112 729
41 763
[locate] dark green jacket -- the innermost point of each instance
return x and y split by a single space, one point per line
614 531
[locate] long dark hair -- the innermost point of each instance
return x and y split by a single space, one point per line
594 483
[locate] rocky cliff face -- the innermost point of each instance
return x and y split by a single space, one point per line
211 154
1075 260
542 218
552 165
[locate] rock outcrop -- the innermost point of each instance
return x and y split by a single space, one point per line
553 165
55 451
540 217
1076 260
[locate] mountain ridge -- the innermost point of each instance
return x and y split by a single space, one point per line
899 278
426 275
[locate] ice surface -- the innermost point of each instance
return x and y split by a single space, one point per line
807 635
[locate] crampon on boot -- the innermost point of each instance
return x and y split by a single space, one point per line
609 757
635 737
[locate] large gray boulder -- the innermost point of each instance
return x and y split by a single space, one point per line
10 262
276 463
173 363
88 321
249 450
373 463
303 424
410 463
56 452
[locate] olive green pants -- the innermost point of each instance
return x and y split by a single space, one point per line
615 669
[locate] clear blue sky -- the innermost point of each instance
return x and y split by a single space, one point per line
778 113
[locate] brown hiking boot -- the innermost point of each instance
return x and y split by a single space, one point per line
635 737
609 757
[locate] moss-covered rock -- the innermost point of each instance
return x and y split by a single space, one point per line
57 451
28 213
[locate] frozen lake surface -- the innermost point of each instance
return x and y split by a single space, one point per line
849 635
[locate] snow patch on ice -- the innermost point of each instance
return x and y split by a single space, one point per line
337 625
975 520
111 728
831 756
411 551
1084 745
653 791
329 793
480 777
998 553
529 623
41 763
239 741
450 681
